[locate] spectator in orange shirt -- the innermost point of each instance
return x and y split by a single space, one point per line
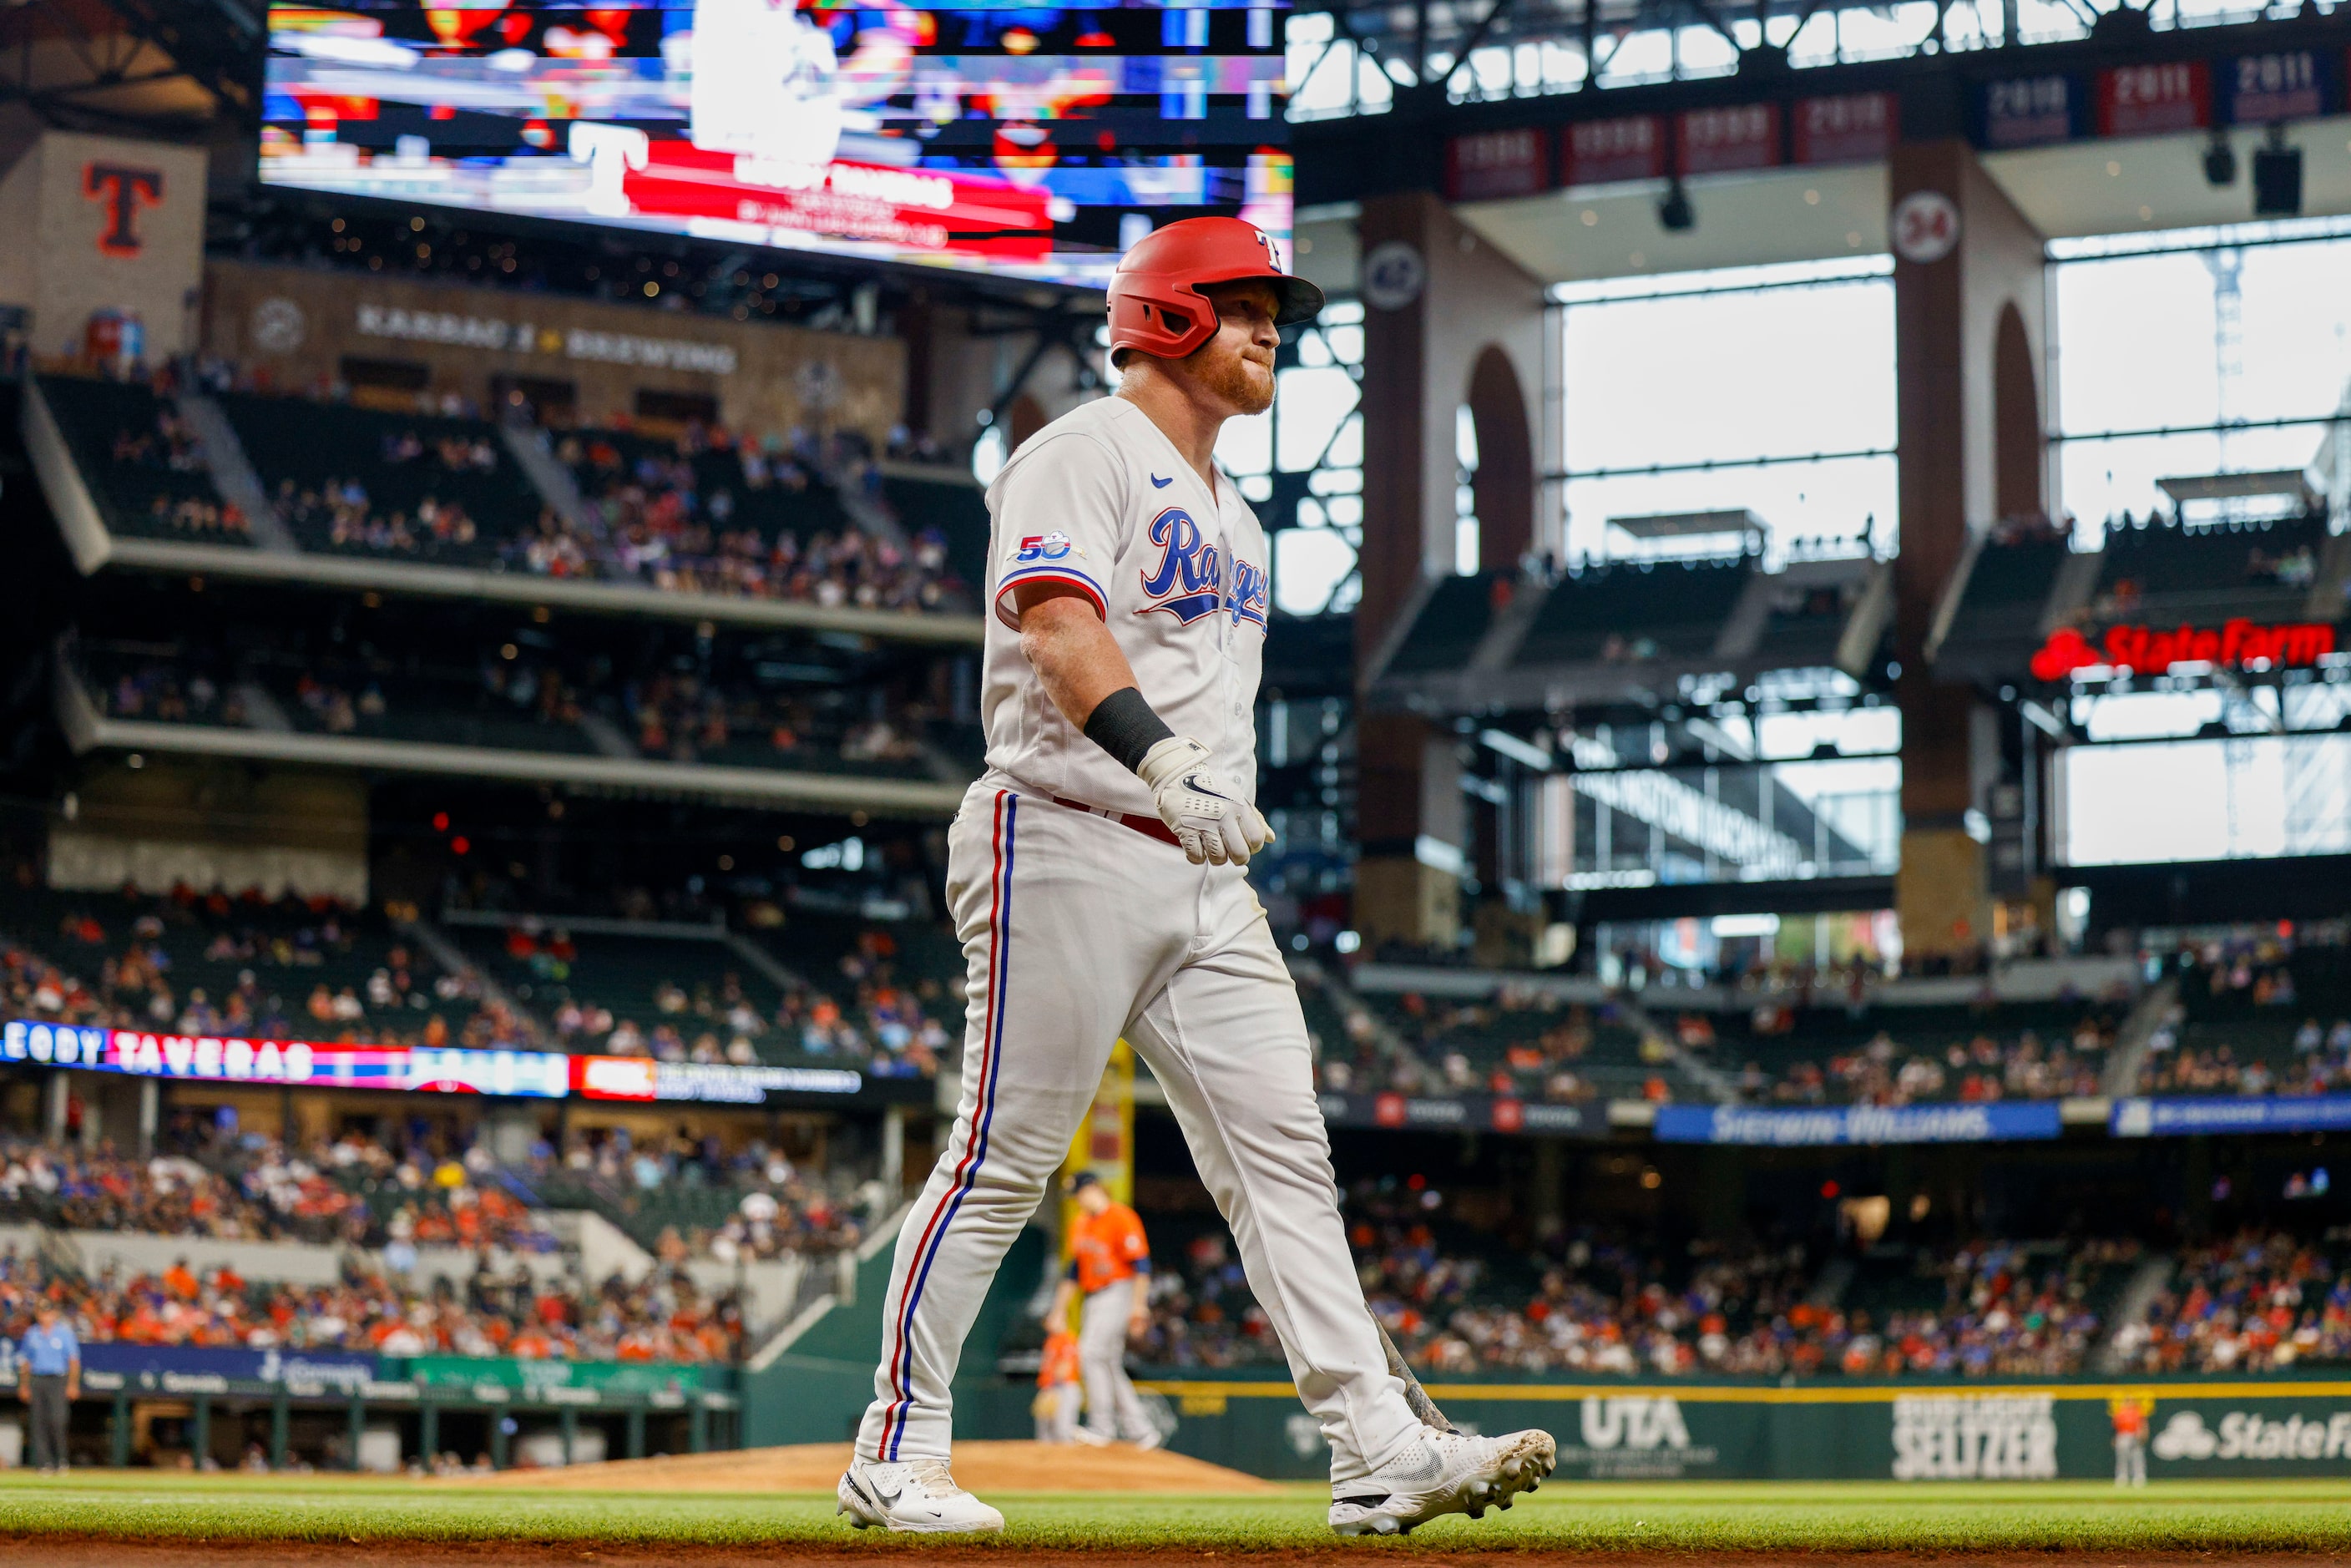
1110 1268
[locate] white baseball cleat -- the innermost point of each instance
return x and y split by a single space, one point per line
1446 1473
912 1495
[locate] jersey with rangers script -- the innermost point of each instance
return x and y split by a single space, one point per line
1102 501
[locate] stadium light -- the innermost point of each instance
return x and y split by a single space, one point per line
2219 160
1674 209
2277 178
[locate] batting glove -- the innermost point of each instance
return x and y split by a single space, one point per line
1208 818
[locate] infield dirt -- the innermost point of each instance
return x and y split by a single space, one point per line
983 1468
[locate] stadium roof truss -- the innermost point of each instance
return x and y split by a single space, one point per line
1470 51
153 66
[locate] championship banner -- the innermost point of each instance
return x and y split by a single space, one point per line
1999 1120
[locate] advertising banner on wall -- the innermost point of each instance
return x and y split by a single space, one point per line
184 1369
1464 1112
1958 1123
1824 1430
552 1381
2252 1114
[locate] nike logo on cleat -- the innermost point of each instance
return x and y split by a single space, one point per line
1159 484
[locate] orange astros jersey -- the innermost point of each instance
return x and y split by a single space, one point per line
1060 1363
1106 1247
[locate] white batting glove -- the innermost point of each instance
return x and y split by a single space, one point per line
1208 818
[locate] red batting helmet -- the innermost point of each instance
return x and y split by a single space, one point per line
1155 303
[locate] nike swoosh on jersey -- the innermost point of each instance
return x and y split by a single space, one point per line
1159 484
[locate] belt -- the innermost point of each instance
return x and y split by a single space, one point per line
1149 826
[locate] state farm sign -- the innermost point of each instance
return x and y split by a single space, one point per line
2146 650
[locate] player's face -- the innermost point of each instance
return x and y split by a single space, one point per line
1236 366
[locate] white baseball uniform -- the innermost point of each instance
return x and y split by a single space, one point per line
1078 928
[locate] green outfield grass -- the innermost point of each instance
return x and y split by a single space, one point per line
2269 1516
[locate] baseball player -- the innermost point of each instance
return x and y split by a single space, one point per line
2130 1414
1110 1273
1095 874
1058 1386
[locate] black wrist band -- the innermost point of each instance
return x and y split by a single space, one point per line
1123 725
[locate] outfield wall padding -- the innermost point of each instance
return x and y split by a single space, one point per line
1822 1431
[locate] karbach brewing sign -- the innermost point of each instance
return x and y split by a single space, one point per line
2148 650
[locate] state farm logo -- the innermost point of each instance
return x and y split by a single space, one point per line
2246 1436
1388 1110
2143 649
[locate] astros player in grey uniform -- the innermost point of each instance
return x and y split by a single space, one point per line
1096 875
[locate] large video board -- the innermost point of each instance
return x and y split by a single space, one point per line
1029 142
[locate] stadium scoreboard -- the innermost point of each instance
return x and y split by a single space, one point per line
1031 142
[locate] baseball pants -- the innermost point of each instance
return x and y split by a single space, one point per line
1112 1408
1076 929
51 1413
2130 1459
1056 1412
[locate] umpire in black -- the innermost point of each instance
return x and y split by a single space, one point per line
48 1378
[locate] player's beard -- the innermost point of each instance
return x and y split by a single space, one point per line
1236 377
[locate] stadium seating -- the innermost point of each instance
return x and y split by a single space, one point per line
214 965
1525 1043
2007 588
1450 625
2169 572
1803 626
360 481
2262 1301
1458 1302
661 1317
1619 614
686 999
1891 1055
2260 1019
953 506
144 467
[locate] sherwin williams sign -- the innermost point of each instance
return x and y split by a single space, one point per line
1955 1123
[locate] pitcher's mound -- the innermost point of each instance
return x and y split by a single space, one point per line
984 1468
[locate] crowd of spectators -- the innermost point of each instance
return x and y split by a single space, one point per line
757 1203
685 717
182 503
137 944
202 1182
1989 1063
1597 1304
2233 1030
660 519
662 1318
680 520
871 1016
339 512
1520 1041
2257 1301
